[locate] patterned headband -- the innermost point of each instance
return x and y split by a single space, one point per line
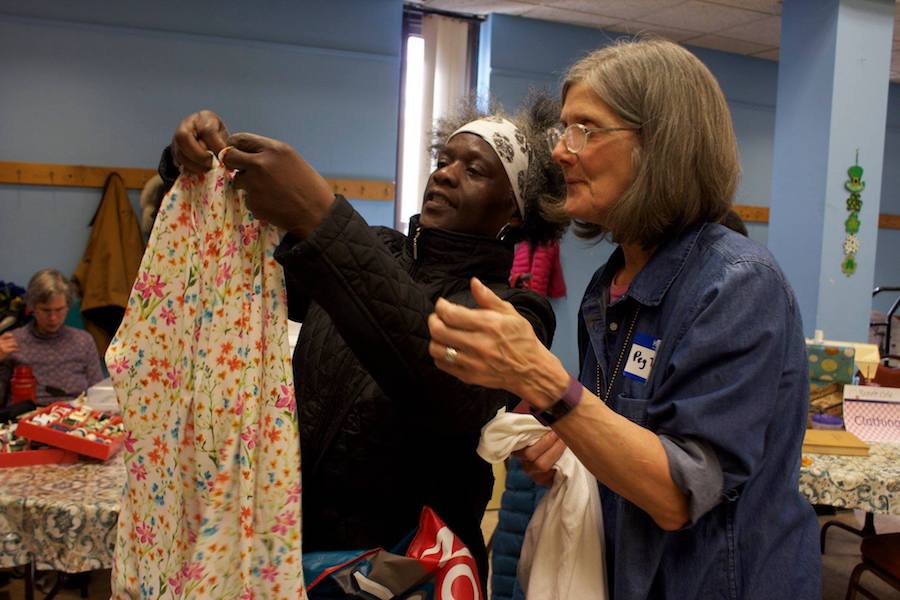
510 145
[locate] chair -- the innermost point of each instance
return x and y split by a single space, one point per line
887 376
881 555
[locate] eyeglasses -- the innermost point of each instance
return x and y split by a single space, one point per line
576 135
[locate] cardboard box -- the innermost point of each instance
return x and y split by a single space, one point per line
44 456
872 413
829 363
60 435
830 441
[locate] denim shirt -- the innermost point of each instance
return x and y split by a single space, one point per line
727 394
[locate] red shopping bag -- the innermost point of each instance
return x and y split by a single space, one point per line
445 556
436 566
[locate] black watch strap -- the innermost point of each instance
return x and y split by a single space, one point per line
563 406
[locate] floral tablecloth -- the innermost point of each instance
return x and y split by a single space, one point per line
870 483
63 515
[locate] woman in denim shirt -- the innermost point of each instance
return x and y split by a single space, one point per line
691 403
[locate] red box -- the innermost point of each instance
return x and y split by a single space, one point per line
44 456
46 434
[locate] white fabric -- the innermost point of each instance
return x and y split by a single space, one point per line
562 556
510 146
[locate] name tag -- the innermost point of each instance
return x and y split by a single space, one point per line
641 357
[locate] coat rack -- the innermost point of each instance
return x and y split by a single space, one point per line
22 173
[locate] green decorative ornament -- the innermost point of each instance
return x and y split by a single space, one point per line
855 184
848 267
851 225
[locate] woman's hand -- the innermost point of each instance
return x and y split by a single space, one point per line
496 347
7 345
196 136
282 188
538 459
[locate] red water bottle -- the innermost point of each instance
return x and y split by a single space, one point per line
23 385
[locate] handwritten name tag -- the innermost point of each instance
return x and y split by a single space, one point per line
641 357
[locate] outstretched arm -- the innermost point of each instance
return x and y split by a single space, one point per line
497 349
381 314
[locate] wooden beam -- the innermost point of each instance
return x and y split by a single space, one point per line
886 221
364 189
752 214
21 173
760 214
70 175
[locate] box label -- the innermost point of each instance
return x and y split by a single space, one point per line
872 413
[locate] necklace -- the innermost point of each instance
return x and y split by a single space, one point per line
622 352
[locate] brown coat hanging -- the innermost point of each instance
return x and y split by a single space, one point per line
110 263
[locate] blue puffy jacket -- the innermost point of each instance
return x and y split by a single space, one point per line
516 507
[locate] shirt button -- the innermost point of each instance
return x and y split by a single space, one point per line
613 326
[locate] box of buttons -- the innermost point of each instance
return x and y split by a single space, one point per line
41 456
16 451
75 428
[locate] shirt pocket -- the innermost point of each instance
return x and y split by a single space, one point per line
633 409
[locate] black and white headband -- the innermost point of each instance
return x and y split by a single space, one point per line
510 145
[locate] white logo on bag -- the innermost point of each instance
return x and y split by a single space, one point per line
444 546
455 572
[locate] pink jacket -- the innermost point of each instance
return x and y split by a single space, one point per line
543 266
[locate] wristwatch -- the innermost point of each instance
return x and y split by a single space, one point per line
563 405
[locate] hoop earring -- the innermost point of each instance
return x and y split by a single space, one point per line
504 231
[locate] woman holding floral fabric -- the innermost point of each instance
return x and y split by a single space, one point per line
383 431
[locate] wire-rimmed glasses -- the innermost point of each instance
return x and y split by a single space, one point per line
576 135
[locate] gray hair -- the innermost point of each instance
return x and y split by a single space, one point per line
45 284
686 164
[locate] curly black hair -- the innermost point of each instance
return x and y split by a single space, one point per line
545 185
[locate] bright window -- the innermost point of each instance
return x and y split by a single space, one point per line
411 150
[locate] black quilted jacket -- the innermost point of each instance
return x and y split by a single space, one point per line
383 431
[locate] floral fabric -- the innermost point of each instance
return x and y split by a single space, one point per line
202 370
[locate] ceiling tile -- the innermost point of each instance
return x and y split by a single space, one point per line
481 7
701 17
670 33
620 9
766 31
753 21
548 13
769 7
718 42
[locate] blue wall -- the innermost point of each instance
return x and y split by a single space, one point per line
104 83
887 255
100 83
528 53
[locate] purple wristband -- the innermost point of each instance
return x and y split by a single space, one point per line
563 405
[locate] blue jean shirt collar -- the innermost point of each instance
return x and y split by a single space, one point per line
654 280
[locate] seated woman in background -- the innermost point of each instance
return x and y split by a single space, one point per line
63 360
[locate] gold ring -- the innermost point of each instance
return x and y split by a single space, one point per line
450 354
